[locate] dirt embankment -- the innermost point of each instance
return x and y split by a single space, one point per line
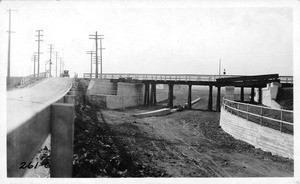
97 150
185 144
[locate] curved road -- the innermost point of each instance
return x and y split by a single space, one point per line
24 103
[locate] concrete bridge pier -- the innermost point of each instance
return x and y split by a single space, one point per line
146 96
153 94
210 100
189 104
252 95
218 105
242 94
259 95
170 95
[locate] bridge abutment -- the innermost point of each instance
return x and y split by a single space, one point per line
229 92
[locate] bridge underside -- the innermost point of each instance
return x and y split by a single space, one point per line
257 81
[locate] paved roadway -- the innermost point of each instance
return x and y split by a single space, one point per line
25 103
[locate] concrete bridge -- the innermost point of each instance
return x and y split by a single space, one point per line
48 107
33 113
151 80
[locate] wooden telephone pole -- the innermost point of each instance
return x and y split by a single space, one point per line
101 54
220 68
34 61
56 64
9 44
91 53
96 38
50 62
39 52
60 66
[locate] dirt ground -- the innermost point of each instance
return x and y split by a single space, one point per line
192 144
110 143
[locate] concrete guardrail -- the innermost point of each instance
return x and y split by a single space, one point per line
32 78
56 120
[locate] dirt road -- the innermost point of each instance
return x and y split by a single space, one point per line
191 144
110 143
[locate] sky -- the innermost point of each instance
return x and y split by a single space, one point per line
163 37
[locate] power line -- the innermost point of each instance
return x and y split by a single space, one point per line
38 52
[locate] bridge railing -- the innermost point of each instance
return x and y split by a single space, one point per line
173 77
281 120
32 78
24 141
286 79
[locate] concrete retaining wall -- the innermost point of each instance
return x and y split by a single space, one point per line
269 95
115 95
101 86
128 95
229 92
259 136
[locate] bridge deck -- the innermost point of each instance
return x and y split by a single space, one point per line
194 79
23 104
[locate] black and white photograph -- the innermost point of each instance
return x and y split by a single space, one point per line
151 91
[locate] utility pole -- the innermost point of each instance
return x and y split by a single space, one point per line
62 65
91 53
50 62
220 68
46 66
56 64
101 54
60 60
9 40
96 38
38 52
34 60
